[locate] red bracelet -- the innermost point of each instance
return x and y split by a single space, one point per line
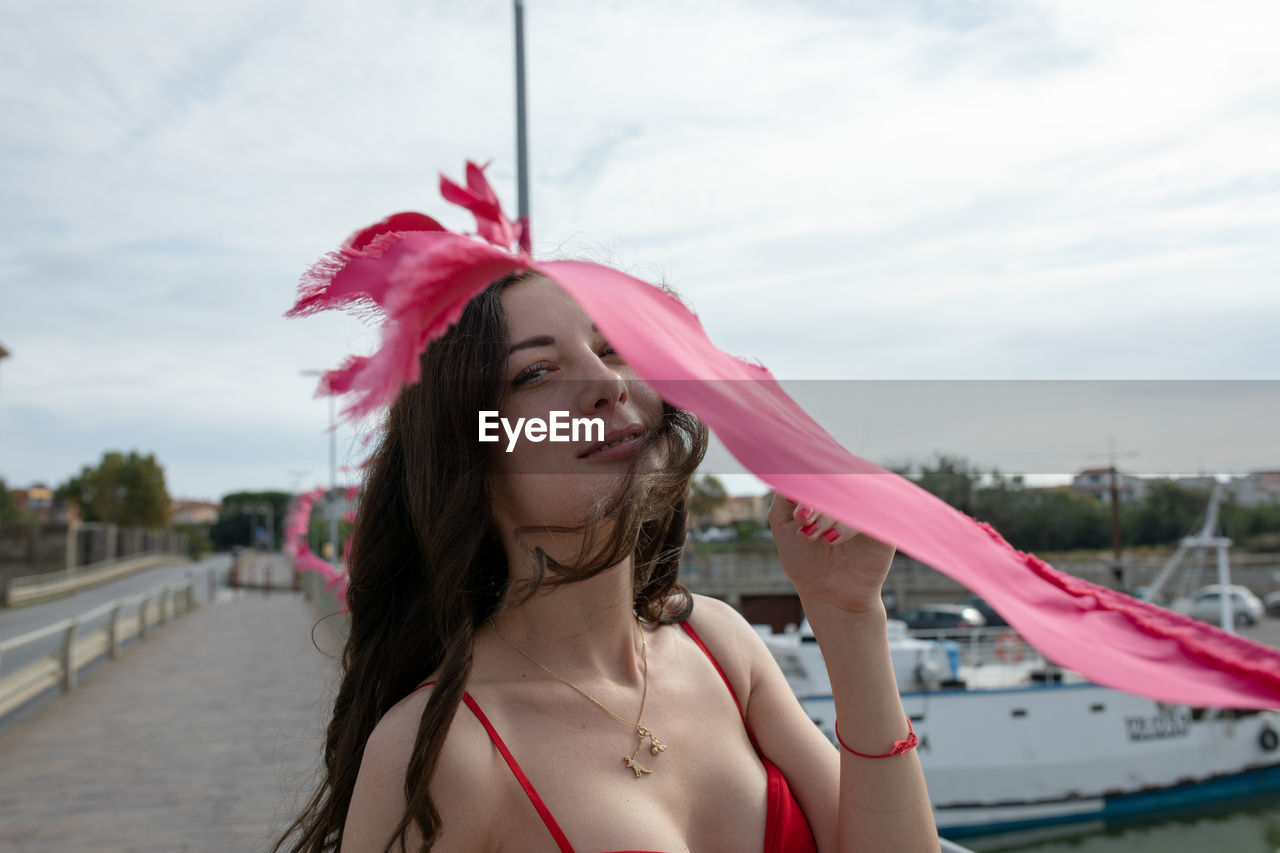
899 746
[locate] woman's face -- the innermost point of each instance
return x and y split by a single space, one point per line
558 362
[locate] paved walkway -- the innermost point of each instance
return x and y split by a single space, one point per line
255 569
202 738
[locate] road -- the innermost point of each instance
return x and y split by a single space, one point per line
19 620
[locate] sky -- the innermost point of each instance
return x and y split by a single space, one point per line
904 192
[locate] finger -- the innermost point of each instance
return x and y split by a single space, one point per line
781 509
817 526
804 514
838 535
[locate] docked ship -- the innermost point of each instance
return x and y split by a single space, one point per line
1009 741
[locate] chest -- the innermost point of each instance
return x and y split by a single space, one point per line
706 791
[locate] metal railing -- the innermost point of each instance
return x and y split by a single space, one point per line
75 650
980 646
946 846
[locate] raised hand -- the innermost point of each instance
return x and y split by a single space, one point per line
827 561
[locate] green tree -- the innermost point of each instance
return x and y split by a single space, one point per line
241 514
198 543
127 490
708 493
1255 527
952 479
9 511
1166 514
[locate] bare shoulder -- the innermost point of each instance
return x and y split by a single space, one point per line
463 781
722 620
718 616
731 640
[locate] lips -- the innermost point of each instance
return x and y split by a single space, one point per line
618 438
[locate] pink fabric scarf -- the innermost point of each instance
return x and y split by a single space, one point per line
420 275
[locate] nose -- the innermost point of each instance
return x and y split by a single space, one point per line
603 387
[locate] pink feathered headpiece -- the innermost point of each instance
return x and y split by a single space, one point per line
420 275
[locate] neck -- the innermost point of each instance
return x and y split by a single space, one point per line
579 630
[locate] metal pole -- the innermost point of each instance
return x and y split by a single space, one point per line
1225 603
1117 565
522 151
333 473
4 353
333 485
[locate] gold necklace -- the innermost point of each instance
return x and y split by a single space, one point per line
642 733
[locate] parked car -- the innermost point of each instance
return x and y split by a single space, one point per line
1206 603
994 619
716 534
943 617
1272 602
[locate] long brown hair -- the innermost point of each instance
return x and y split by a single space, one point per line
424 574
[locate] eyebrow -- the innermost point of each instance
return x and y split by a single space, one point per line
540 341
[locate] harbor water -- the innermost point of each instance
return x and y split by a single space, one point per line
1252 827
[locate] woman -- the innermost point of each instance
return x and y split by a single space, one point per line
605 708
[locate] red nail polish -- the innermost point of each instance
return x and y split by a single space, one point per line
831 535
809 530
804 513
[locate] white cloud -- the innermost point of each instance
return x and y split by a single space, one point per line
869 189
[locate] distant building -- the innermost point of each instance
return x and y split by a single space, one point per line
194 512
1204 483
1097 482
1256 487
36 502
740 508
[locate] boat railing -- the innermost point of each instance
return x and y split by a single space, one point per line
987 646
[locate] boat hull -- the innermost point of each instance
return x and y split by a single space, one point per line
1050 754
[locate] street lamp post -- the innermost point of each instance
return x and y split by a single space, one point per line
4 353
522 138
330 503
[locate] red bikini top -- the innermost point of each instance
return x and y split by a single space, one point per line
786 829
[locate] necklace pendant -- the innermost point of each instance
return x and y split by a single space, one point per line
655 745
636 767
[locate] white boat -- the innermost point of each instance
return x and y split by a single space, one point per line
1008 741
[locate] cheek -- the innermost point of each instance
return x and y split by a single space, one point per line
549 499
648 401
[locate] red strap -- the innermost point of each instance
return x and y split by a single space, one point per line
538 804
688 629
785 827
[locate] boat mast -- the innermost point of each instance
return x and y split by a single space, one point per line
1205 539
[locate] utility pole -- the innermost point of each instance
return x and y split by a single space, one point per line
334 557
4 353
1117 562
331 502
522 142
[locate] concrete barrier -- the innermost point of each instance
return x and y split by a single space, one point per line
26 589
